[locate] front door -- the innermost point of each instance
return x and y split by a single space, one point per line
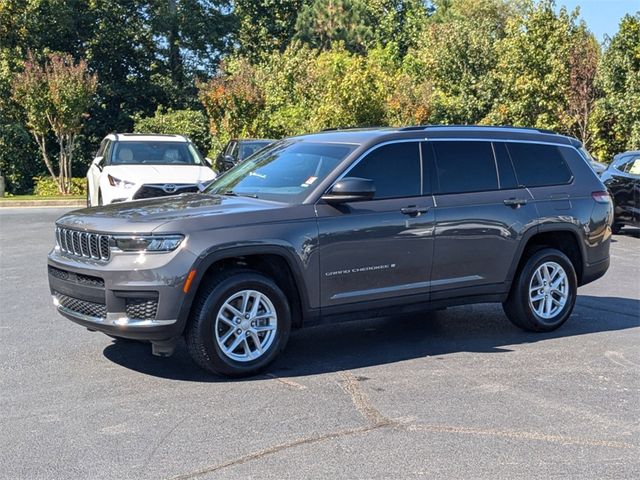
379 248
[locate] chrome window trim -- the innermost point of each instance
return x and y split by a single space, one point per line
443 139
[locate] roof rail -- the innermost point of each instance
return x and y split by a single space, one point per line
506 127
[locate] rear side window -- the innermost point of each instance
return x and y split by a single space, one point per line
465 166
394 169
539 165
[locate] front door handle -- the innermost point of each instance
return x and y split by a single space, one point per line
515 202
413 210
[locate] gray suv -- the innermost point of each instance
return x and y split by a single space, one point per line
339 225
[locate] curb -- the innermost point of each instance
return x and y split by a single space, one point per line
42 203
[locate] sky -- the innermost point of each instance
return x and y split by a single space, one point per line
602 16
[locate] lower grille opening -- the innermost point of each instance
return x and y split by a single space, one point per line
83 307
142 308
76 277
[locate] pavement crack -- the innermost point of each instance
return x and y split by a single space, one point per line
361 400
287 382
276 449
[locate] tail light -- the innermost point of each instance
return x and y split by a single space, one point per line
601 197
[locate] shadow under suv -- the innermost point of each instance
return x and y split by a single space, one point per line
340 224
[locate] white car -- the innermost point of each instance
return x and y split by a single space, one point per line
131 166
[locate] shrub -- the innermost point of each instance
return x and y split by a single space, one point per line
48 187
191 123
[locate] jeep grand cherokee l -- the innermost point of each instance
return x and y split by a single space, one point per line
340 224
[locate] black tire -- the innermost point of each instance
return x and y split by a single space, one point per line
518 308
616 227
88 196
100 202
201 344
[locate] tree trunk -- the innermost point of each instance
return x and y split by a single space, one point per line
42 146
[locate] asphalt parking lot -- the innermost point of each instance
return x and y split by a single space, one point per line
454 394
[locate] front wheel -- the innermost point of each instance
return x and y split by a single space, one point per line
544 292
239 323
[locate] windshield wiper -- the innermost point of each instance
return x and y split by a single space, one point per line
231 193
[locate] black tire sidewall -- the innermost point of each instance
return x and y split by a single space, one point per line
243 281
546 255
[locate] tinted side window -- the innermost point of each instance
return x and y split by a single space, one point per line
539 165
505 168
465 166
394 169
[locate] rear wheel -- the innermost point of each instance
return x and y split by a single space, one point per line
239 323
100 202
544 292
616 227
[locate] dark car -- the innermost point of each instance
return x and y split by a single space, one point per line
341 225
235 151
622 179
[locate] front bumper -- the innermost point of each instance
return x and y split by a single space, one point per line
119 299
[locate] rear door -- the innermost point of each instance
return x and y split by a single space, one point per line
379 248
481 215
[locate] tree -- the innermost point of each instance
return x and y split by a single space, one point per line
191 123
324 23
264 26
617 115
55 97
533 70
233 100
457 55
582 94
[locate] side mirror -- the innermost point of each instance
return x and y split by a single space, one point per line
350 189
208 161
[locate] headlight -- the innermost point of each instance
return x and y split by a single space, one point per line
116 182
152 243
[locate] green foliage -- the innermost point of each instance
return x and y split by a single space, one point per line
192 123
19 157
55 97
48 187
265 25
617 116
324 23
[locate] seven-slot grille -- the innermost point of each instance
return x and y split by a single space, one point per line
83 244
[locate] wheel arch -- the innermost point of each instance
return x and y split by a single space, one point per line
561 236
275 261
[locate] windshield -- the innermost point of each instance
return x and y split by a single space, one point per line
155 153
282 172
249 148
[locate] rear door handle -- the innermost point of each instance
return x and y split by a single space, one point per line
413 210
515 202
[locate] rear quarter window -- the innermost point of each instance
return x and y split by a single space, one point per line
540 165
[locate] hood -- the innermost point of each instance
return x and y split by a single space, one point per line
140 174
145 216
